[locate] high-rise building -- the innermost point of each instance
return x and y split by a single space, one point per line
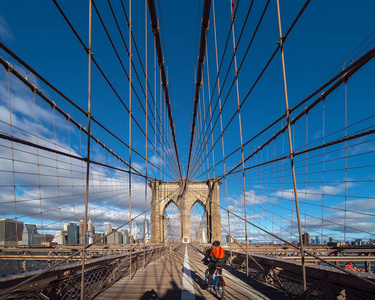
115 238
90 232
125 236
330 240
90 226
107 227
38 239
27 235
317 240
98 238
10 232
73 234
148 232
306 238
60 238
65 226
82 232
140 232
202 235
134 230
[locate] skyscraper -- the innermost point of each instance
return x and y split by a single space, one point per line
82 232
90 231
125 236
27 234
10 232
107 227
134 229
73 234
306 238
148 233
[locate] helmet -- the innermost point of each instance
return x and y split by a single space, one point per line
216 243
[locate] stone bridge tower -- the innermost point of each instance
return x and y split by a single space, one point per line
204 192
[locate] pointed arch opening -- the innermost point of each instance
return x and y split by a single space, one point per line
171 223
198 223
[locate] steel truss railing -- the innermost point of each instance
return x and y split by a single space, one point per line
64 282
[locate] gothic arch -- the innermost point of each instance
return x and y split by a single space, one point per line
166 220
171 201
199 230
200 202
185 196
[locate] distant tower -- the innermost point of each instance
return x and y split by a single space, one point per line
82 231
107 227
125 236
306 238
90 231
90 226
134 229
73 234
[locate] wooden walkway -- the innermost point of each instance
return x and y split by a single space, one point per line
181 276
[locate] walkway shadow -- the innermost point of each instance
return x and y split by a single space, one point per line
172 294
198 279
150 295
266 290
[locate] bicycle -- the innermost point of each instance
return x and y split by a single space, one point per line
218 283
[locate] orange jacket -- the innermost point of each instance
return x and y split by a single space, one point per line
217 252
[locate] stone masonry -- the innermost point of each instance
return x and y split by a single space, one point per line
204 192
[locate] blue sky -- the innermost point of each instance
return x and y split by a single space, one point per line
323 38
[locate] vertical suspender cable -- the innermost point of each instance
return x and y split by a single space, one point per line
202 48
346 154
146 116
240 127
209 103
290 145
130 135
221 127
88 155
155 30
11 146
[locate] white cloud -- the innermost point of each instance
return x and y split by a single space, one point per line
56 179
5 32
313 193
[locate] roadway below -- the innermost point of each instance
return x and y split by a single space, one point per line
180 275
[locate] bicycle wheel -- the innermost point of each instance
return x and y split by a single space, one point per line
220 290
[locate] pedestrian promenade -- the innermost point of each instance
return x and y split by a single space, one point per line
180 275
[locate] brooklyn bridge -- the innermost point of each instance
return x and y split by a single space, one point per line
133 134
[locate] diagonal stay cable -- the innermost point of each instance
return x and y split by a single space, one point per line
126 73
260 75
366 58
155 30
202 48
101 71
235 50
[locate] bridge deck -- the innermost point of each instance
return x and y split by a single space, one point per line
179 277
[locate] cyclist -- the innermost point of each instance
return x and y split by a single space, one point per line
214 258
